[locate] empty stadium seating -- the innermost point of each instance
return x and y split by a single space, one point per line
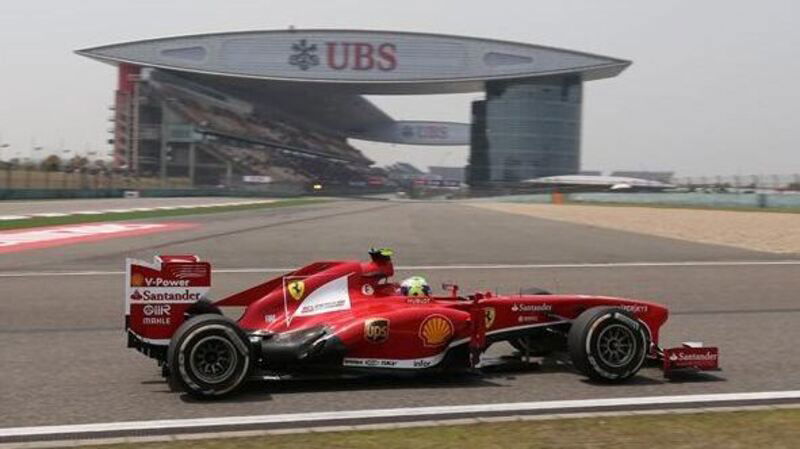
258 144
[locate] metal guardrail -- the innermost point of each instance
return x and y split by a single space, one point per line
22 178
740 182
683 199
41 194
695 199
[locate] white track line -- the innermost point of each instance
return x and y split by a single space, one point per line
452 267
417 412
200 435
50 214
14 217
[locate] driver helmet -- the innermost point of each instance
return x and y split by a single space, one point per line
415 286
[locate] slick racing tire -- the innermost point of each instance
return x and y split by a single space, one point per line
209 356
608 344
521 344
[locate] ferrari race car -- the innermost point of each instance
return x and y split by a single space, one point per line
347 317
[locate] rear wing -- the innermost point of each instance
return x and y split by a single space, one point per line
156 296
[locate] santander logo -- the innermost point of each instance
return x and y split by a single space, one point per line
707 356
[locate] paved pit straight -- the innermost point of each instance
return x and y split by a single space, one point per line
63 352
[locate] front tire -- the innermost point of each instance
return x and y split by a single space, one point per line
209 356
608 344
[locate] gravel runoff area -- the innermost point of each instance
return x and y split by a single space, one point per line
760 231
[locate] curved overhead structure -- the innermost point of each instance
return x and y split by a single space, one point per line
528 126
369 62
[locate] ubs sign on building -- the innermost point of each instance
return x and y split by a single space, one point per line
527 126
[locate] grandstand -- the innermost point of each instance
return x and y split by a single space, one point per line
279 105
215 138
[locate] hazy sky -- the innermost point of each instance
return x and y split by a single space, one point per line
713 88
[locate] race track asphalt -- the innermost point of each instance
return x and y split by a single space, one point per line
63 358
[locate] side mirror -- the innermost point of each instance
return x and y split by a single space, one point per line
452 288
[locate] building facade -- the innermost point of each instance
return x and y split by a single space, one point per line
526 129
527 126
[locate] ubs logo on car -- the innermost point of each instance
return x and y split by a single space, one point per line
376 330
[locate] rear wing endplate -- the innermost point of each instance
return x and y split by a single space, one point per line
158 293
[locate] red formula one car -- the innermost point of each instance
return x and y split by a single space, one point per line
345 317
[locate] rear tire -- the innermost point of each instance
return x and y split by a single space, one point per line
209 356
608 344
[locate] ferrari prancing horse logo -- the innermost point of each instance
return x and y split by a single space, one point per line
489 315
296 289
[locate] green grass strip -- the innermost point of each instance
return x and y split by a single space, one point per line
135 215
774 429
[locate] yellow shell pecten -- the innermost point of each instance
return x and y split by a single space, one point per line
436 330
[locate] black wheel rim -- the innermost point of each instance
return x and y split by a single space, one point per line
213 359
616 345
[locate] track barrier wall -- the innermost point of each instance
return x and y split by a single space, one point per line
788 200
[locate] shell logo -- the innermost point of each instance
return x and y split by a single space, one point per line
436 330
137 280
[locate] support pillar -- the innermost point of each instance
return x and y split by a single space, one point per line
192 164
162 158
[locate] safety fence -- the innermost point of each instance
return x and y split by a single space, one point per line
740 183
790 200
694 199
20 178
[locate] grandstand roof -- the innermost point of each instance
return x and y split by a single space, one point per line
320 75
327 110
